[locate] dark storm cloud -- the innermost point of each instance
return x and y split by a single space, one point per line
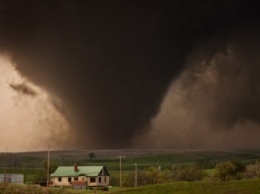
215 102
111 62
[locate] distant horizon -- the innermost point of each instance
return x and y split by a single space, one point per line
158 150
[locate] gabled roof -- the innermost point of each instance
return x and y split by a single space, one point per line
62 171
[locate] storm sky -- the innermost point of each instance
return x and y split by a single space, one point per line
135 74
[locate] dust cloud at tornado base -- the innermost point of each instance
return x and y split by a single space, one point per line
29 114
215 102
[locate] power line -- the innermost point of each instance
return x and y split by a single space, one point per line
48 166
120 168
135 175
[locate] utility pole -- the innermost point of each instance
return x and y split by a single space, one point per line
120 168
48 166
5 177
135 175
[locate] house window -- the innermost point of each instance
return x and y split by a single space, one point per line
105 179
69 179
92 179
76 178
59 179
99 179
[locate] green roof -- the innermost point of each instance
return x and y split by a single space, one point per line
62 171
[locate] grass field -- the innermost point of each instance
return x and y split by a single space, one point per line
31 163
231 187
144 158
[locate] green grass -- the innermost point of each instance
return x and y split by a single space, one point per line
29 173
30 163
35 189
232 187
166 160
144 158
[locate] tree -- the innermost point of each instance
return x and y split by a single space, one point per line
92 155
154 175
229 170
150 175
167 175
129 180
253 170
187 173
41 176
240 166
114 180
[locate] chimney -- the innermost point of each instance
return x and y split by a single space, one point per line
75 167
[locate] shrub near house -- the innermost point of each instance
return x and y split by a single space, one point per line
80 177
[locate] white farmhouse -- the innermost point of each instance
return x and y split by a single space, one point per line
80 177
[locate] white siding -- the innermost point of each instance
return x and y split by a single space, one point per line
104 181
64 181
82 178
